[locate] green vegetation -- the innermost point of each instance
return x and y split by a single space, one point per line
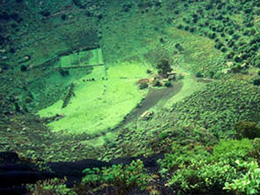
163 68
249 182
206 121
115 97
143 86
121 178
52 186
247 129
199 170
219 107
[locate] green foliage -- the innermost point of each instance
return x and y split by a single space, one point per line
247 129
51 187
120 177
157 83
219 107
191 169
185 179
143 86
256 82
229 150
201 176
162 135
182 156
216 174
164 67
255 151
167 84
198 74
249 182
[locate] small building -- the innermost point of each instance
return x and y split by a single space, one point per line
147 115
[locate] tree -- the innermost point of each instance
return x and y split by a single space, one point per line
143 86
256 82
163 68
247 129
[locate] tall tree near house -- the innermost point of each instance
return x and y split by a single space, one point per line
163 68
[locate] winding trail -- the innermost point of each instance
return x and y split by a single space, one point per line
154 96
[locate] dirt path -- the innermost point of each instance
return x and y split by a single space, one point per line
153 97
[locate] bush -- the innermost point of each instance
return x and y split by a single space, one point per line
214 175
196 171
157 83
168 84
231 149
51 187
182 155
255 152
198 74
122 179
237 59
249 182
247 129
45 13
256 82
143 86
164 67
64 17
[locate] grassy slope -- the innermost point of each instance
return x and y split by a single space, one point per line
218 107
199 54
99 105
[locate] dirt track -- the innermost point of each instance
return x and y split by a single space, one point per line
154 96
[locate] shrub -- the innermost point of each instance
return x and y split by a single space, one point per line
23 68
64 17
231 149
167 84
201 177
157 83
256 82
121 178
162 135
179 47
164 67
216 174
45 13
198 74
148 71
247 129
230 55
182 155
211 74
255 152
196 171
63 72
51 187
143 86
237 59
236 69
249 182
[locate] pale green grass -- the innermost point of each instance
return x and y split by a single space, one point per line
100 104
